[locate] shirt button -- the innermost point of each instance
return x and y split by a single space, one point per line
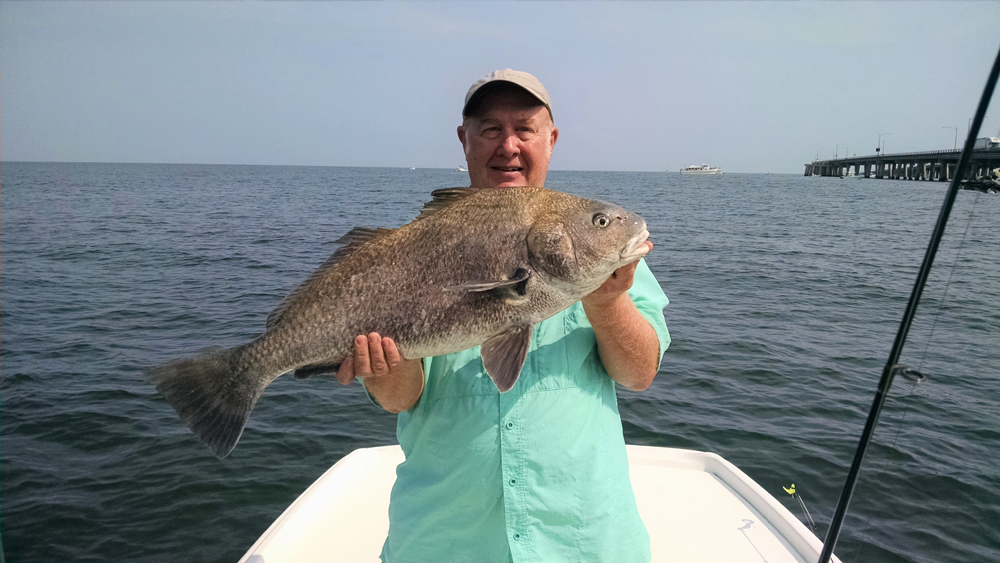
513 481
510 425
517 536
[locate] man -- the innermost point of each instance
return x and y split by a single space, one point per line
538 473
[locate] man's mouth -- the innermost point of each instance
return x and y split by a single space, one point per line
507 168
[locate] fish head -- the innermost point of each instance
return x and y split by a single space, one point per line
580 244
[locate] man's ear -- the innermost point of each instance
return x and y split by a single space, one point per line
461 135
555 136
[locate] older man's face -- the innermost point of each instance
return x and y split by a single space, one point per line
510 142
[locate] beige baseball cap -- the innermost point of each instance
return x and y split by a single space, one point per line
522 79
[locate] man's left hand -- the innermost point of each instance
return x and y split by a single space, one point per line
619 283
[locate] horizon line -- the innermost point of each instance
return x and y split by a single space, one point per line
336 166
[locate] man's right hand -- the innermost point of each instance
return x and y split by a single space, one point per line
395 382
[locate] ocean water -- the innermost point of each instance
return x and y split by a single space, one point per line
785 291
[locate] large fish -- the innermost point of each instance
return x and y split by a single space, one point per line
476 267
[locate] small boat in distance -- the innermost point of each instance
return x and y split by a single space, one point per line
703 169
462 169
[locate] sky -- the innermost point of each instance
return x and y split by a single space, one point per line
646 86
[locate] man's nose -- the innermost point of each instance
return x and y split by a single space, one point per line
509 144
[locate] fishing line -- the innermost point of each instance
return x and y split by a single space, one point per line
958 256
915 377
892 367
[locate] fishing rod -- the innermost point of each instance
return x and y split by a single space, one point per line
891 366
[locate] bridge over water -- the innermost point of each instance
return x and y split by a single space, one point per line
934 165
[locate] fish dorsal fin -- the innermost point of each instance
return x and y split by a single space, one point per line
443 198
358 236
352 241
504 354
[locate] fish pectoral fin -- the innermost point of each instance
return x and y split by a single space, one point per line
504 354
518 283
315 369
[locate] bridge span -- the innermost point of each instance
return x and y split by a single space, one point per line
934 165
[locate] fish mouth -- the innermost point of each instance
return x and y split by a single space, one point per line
636 247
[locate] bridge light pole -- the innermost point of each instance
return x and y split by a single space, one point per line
880 142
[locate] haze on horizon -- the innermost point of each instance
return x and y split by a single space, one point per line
750 87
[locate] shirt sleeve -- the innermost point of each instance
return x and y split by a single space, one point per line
650 300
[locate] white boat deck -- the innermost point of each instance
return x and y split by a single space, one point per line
697 507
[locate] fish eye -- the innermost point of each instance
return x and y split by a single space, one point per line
601 220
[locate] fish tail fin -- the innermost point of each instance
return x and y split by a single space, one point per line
212 395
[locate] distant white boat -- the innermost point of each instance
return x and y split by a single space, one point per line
696 506
462 169
703 169
413 168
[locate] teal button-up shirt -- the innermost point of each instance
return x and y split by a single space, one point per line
535 474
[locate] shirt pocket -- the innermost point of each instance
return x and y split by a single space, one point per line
456 375
564 352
